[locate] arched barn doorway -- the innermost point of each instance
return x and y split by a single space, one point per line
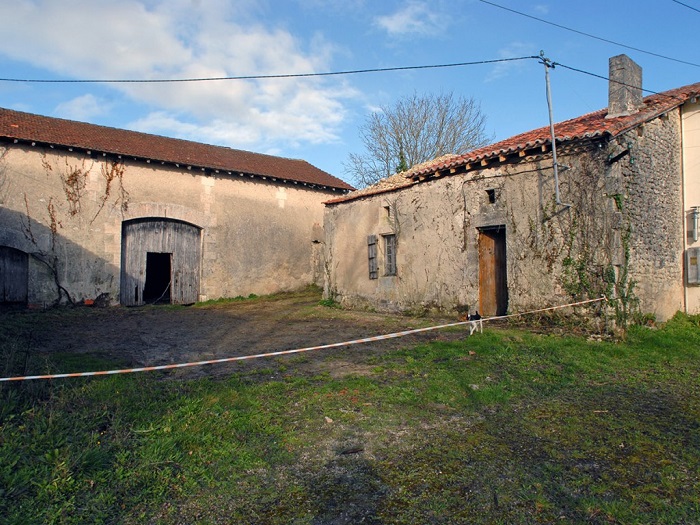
160 262
14 276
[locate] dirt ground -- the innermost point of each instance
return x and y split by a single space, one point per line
159 335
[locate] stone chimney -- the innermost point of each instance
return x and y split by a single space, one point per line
625 87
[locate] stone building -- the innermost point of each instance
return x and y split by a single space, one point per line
88 211
485 231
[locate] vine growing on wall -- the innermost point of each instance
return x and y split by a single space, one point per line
596 234
48 258
73 181
74 184
113 172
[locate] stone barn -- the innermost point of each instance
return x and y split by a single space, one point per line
485 231
91 212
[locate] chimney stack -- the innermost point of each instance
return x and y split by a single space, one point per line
625 87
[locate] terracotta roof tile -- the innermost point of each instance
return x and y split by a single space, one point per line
47 130
385 185
586 126
392 183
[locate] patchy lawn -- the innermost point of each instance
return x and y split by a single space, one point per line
503 427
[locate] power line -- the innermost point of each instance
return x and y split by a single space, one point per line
603 77
261 77
686 5
589 34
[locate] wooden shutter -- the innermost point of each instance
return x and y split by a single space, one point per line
390 254
372 256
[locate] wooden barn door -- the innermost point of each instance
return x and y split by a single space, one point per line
14 275
160 262
493 284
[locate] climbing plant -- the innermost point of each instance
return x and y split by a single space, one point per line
73 180
589 236
113 172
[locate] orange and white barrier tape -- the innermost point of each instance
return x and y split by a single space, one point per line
283 352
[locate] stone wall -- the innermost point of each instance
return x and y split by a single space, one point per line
651 174
618 230
67 210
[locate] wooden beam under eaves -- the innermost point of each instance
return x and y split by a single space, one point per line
484 162
502 158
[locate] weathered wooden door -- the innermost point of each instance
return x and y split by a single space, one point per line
493 283
14 275
160 258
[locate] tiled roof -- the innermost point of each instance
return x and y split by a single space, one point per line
27 127
392 183
385 185
590 125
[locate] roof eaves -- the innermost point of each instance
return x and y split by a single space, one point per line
360 194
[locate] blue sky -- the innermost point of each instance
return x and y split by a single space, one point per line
318 119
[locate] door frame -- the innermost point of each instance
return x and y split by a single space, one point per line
493 270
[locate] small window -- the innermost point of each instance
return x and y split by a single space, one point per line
372 256
491 194
389 254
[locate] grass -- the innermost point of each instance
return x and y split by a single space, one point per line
504 427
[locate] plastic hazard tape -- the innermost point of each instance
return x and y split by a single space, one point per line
284 352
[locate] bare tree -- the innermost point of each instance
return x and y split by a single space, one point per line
416 129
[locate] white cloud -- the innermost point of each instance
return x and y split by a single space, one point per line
334 6
414 18
184 39
542 9
514 50
84 107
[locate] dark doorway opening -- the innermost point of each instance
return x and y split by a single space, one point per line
158 278
493 283
14 276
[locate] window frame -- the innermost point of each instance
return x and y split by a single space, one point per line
390 254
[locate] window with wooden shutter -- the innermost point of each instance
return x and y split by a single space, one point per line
692 268
372 256
390 254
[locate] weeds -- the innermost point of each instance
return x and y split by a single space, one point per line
508 427
329 303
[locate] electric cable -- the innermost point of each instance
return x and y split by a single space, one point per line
686 5
603 77
589 35
263 77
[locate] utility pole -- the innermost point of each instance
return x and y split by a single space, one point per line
548 64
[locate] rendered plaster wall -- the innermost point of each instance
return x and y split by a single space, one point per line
617 231
437 224
691 178
257 236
